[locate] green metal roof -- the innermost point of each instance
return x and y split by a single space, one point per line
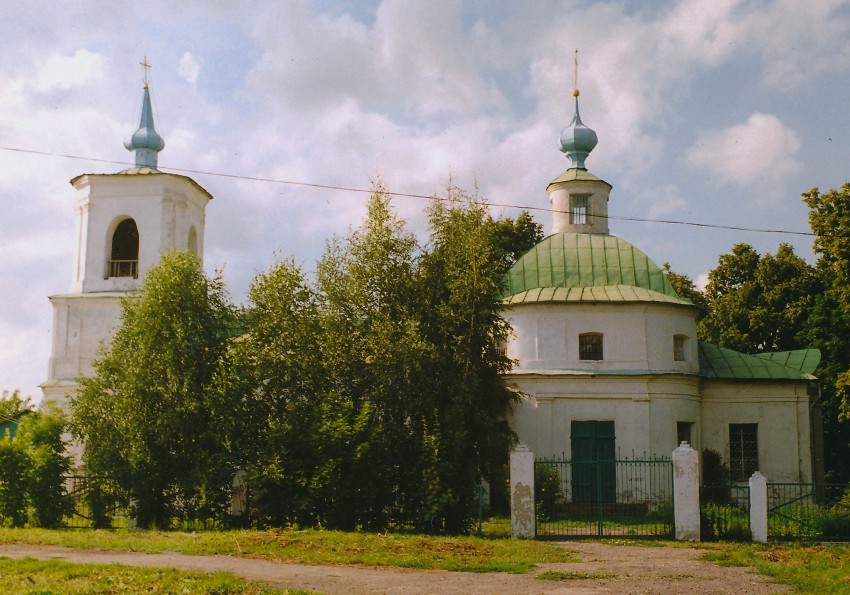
607 293
575 174
805 360
718 362
583 260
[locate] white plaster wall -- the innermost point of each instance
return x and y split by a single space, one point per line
644 409
81 324
636 336
164 207
559 196
781 410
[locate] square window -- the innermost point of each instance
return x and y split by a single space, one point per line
743 451
579 208
590 346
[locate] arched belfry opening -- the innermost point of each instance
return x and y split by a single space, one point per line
124 257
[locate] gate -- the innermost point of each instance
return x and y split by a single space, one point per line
604 498
808 512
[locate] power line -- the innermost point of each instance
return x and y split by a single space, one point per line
410 195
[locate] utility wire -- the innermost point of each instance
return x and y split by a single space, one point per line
409 195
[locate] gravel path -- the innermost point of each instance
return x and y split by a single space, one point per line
615 569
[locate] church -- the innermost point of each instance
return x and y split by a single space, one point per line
608 364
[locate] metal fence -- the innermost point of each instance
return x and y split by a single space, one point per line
97 502
626 498
724 512
808 512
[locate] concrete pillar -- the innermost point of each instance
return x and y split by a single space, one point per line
758 507
686 493
522 493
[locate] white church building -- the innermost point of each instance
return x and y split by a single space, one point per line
608 361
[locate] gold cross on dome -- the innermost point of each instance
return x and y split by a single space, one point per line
145 67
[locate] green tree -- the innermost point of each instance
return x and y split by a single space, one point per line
758 303
40 437
372 354
514 237
146 417
829 325
13 405
273 379
685 287
468 402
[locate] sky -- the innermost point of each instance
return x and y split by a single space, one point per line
716 112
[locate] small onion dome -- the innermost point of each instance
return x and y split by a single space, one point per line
577 140
145 141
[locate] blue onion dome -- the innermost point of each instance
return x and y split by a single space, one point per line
577 140
145 141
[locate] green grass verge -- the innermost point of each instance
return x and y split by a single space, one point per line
809 568
466 554
47 577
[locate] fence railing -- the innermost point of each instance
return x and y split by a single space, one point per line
724 512
124 268
806 511
604 498
97 502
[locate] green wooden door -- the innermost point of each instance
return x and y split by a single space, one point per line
594 471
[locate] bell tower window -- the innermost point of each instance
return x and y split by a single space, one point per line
578 208
124 257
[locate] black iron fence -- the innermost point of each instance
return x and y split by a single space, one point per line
97 502
806 511
724 512
626 498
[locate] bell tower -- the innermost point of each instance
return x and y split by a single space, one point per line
579 199
125 222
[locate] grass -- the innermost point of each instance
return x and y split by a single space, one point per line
46 577
809 568
334 548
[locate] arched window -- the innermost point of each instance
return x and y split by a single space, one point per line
124 258
590 346
192 244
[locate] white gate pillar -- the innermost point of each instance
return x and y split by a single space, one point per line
686 493
758 507
522 493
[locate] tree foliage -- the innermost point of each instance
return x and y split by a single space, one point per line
685 287
40 437
369 398
758 303
33 464
145 416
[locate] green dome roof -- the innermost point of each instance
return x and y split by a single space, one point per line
582 260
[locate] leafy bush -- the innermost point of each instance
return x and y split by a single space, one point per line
40 436
33 466
547 489
14 470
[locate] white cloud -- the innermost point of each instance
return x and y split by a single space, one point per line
761 151
61 73
189 68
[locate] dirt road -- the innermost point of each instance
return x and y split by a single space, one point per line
605 568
